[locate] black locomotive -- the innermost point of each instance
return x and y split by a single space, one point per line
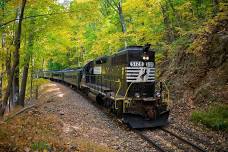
123 82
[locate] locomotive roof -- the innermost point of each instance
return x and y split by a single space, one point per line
103 57
131 49
65 70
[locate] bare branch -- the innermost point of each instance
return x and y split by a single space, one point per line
113 6
35 16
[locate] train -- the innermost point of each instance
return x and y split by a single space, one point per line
123 82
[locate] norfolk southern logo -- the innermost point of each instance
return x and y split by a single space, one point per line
139 71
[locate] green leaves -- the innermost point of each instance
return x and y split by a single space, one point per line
2 4
93 27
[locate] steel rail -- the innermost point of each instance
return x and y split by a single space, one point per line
159 148
191 135
154 144
184 140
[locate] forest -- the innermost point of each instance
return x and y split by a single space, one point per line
188 36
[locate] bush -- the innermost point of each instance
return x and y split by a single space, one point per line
40 146
215 117
36 83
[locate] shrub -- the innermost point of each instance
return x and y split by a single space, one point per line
40 146
215 117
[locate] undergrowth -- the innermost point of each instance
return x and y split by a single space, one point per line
36 84
40 146
215 117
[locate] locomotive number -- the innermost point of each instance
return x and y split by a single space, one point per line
141 64
136 64
150 64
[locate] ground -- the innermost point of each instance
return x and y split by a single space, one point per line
64 120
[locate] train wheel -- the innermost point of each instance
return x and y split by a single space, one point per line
86 91
99 99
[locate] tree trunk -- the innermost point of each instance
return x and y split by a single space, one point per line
1 55
2 69
16 55
16 86
24 82
31 82
118 8
17 70
8 69
122 21
1 78
26 66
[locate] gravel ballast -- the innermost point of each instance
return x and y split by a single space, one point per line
82 120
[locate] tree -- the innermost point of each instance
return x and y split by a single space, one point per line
26 65
16 54
168 26
116 5
15 83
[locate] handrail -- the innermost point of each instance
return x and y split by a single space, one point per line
115 98
120 84
128 88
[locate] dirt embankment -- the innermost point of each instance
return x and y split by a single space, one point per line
198 74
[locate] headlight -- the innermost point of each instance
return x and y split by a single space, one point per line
158 95
145 57
137 95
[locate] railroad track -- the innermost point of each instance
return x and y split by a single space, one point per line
158 146
154 144
150 141
196 138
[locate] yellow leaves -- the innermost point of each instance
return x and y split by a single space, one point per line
197 47
181 31
154 2
83 1
187 12
133 5
159 58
